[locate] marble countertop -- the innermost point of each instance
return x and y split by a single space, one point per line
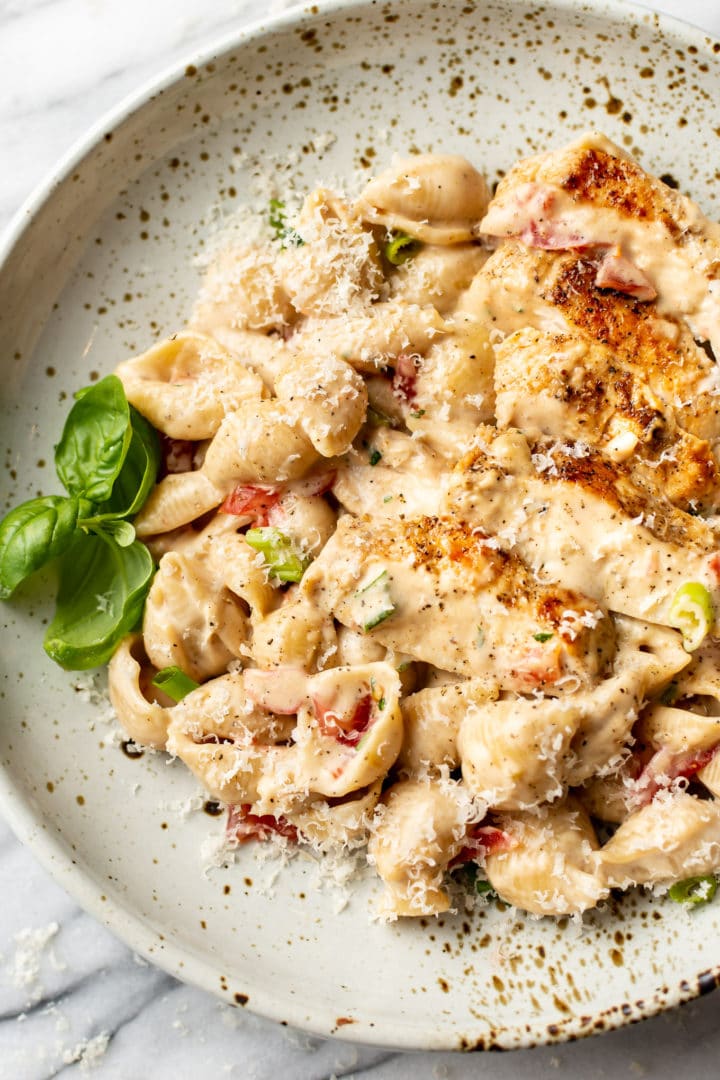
74 1000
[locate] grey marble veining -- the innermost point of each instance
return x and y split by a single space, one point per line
82 1004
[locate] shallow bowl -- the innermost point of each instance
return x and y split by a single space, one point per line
102 262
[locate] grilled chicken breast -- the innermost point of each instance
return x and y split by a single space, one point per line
442 591
556 292
565 386
576 517
652 243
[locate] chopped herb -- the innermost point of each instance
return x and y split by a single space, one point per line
544 635
174 682
376 604
375 456
417 413
282 231
387 499
281 557
381 704
669 694
480 639
482 887
400 247
377 619
691 611
694 890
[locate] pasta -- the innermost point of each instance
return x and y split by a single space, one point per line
443 562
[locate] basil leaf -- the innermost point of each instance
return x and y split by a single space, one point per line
32 534
139 470
100 599
95 440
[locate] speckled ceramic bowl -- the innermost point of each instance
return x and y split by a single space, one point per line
100 264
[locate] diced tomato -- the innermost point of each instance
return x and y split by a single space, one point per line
714 565
253 501
405 377
529 215
348 730
552 236
177 455
664 767
619 273
537 666
243 826
482 840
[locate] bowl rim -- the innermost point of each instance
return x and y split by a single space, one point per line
50 849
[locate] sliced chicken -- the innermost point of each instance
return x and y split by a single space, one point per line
565 386
592 196
576 517
441 591
556 292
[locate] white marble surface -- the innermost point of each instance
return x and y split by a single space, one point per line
82 1003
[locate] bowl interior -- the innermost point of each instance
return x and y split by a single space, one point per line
106 262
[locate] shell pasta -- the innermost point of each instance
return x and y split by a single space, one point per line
440 561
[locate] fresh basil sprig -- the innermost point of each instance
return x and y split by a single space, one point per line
107 459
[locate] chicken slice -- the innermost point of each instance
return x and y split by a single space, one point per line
574 516
571 388
556 292
441 591
591 195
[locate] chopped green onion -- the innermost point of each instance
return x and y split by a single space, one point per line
480 639
482 887
692 613
694 890
387 498
376 604
381 704
669 694
281 229
281 556
417 413
375 456
400 247
544 635
174 682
